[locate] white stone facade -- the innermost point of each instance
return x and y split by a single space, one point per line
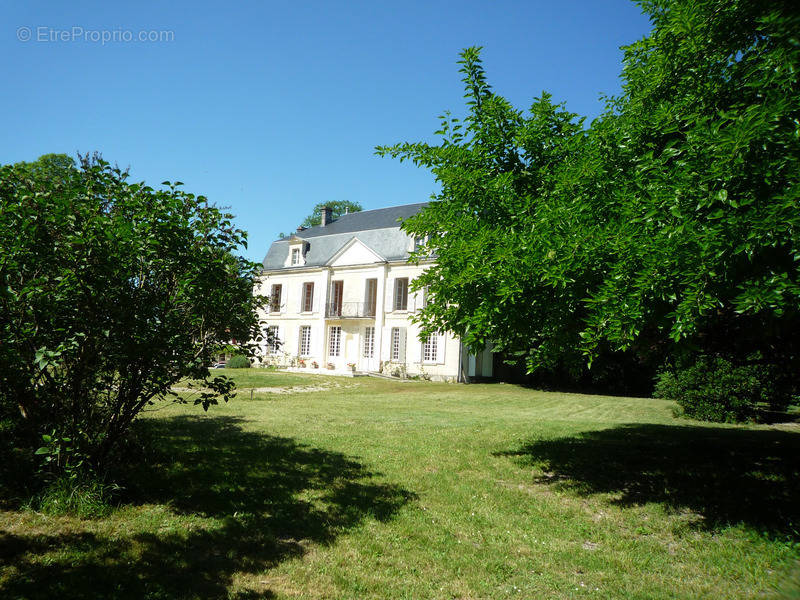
354 311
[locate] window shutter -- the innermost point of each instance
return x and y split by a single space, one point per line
440 349
402 344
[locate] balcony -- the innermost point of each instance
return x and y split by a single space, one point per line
350 310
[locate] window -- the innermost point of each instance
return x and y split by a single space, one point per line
335 342
295 256
305 340
370 297
398 347
273 343
420 242
369 342
275 298
308 297
401 293
337 292
430 349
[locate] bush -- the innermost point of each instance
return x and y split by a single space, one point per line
237 361
112 292
716 389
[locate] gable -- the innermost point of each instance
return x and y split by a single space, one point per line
355 252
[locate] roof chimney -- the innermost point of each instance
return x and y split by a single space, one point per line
301 228
327 215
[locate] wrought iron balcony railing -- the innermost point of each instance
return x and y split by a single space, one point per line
350 310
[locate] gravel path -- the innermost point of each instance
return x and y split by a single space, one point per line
299 389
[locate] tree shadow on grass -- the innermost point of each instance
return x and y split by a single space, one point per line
725 475
269 497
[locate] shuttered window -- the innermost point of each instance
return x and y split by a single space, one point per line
305 340
308 297
273 343
370 297
401 293
275 298
337 294
335 342
398 344
430 350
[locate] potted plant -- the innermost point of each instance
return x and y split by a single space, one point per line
315 365
301 363
331 366
352 367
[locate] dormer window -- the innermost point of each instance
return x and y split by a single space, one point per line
418 243
296 257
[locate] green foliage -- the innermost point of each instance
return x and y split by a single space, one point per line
62 455
110 293
668 226
706 155
84 498
715 389
238 361
338 208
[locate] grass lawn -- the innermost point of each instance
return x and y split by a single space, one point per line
382 489
256 378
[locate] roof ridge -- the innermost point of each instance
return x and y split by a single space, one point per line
355 212
356 232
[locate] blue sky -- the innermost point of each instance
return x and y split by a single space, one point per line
269 108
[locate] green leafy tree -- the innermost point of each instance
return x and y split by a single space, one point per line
110 293
667 228
704 150
500 227
338 208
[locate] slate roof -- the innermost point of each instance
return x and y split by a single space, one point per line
379 229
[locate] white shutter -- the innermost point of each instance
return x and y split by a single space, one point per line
440 349
402 344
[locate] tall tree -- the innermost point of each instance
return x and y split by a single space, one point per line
110 293
667 227
705 155
500 228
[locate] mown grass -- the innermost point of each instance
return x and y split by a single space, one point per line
255 378
383 489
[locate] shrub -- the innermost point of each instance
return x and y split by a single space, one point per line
237 361
112 292
716 389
